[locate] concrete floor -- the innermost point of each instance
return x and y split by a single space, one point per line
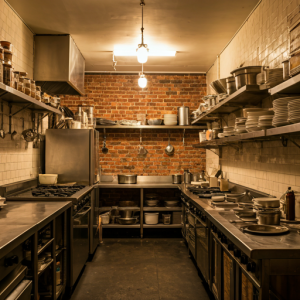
135 269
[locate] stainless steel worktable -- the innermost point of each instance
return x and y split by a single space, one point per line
255 246
19 220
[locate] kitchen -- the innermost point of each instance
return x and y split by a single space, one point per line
213 116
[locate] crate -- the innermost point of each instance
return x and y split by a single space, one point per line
176 217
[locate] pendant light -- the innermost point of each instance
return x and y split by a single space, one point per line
142 50
142 82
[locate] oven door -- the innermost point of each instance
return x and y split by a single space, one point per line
94 222
80 247
22 291
202 248
191 236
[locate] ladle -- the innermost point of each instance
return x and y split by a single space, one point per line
142 151
169 149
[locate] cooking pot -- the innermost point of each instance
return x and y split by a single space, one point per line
127 179
177 178
266 202
269 217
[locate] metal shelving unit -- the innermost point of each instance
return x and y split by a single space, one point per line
162 208
191 127
162 226
13 96
121 226
291 86
248 94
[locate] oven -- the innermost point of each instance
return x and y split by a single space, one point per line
202 245
80 240
184 221
191 235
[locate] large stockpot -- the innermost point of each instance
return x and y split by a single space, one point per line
177 178
269 217
183 115
266 202
127 179
246 76
230 85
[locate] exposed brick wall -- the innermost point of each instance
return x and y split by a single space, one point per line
117 97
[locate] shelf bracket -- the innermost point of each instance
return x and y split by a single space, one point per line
26 106
285 140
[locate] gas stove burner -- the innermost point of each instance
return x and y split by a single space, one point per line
56 191
206 192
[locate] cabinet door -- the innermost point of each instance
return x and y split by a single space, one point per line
228 277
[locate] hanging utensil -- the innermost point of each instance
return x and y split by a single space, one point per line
104 149
169 149
14 133
142 151
2 132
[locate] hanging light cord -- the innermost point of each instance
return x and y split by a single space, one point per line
142 29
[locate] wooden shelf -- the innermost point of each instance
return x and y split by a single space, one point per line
98 127
291 86
248 94
160 225
13 96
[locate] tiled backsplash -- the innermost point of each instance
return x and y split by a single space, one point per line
262 40
18 161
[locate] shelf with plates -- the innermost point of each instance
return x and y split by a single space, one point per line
248 94
160 225
190 127
13 96
121 226
155 208
290 86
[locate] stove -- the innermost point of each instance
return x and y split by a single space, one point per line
56 191
206 192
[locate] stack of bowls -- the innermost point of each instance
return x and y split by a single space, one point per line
228 131
265 121
170 119
240 126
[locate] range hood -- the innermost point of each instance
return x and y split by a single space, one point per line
58 65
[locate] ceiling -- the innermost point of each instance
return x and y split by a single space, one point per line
197 29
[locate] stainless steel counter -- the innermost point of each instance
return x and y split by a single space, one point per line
19 220
255 246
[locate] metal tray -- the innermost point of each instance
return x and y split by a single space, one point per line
265 229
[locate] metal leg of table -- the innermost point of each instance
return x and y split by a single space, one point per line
142 212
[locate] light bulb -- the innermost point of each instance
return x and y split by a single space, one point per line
142 54
142 81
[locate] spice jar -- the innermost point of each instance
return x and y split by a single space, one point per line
7 46
8 76
27 86
7 58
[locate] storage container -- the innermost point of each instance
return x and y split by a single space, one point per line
166 219
151 218
48 178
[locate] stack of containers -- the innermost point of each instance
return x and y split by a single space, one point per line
7 63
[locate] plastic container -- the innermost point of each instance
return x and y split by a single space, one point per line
151 218
166 219
202 136
48 178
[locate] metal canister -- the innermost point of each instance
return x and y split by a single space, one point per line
187 176
177 178
183 115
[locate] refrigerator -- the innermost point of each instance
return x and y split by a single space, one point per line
73 154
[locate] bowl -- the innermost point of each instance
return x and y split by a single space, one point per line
154 121
170 122
48 178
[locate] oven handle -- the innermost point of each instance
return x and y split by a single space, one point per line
81 215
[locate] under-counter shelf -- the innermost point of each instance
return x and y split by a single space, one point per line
162 208
45 266
45 246
162 226
290 86
121 226
248 94
13 96
150 127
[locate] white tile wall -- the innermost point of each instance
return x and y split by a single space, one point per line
262 40
17 162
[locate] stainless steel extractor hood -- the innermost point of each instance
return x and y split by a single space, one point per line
58 65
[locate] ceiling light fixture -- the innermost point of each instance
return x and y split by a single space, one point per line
142 50
123 51
142 82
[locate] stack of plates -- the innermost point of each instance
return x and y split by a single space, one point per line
294 111
281 111
265 122
274 77
240 125
228 131
170 119
253 117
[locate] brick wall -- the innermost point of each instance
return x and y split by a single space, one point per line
117 97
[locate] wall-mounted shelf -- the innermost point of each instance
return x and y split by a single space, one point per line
293 129
248 94
150 127
13 96
291 86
